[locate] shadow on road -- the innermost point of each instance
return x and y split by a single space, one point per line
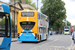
24 42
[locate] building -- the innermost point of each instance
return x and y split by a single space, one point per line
73 27
18 6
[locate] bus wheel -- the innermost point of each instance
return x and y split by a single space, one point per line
23 42
40 38
46 37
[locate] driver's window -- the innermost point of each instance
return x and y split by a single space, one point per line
2 26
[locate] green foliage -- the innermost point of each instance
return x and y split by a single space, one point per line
68 23
30 3
12 21
56 12
3 21
34 5
20 1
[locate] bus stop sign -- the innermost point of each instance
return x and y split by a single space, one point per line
51 28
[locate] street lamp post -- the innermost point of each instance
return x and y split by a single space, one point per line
65 21
14 18
37 4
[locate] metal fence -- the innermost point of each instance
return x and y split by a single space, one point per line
14 31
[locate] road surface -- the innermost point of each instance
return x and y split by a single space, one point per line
55 42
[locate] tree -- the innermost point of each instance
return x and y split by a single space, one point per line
56 12
3 21
30 3
68 23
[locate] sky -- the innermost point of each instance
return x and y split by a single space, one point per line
70 10
69 5
39 4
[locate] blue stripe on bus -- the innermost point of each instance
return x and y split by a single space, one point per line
42 36
6 41
27 36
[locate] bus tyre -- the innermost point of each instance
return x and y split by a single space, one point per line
40 38
46 37
22 41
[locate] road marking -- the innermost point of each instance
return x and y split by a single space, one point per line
70 46
43 44
55 48
46 49
50 48
35 49
56 40
59 47
39 46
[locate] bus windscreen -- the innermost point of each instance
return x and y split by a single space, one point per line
66 27
66 30
27 14
2 25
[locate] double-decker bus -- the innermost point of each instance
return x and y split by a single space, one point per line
5 27
32 26
66 30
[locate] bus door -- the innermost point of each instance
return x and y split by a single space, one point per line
5 31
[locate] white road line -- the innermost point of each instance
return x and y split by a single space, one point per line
40 46
55 39
43 44
60 47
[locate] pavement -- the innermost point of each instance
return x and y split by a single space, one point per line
12 40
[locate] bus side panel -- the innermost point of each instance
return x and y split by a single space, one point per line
7 41
42 25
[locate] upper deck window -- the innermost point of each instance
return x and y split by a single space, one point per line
47 19
27 14
38 15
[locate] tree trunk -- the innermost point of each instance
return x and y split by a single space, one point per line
60 31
